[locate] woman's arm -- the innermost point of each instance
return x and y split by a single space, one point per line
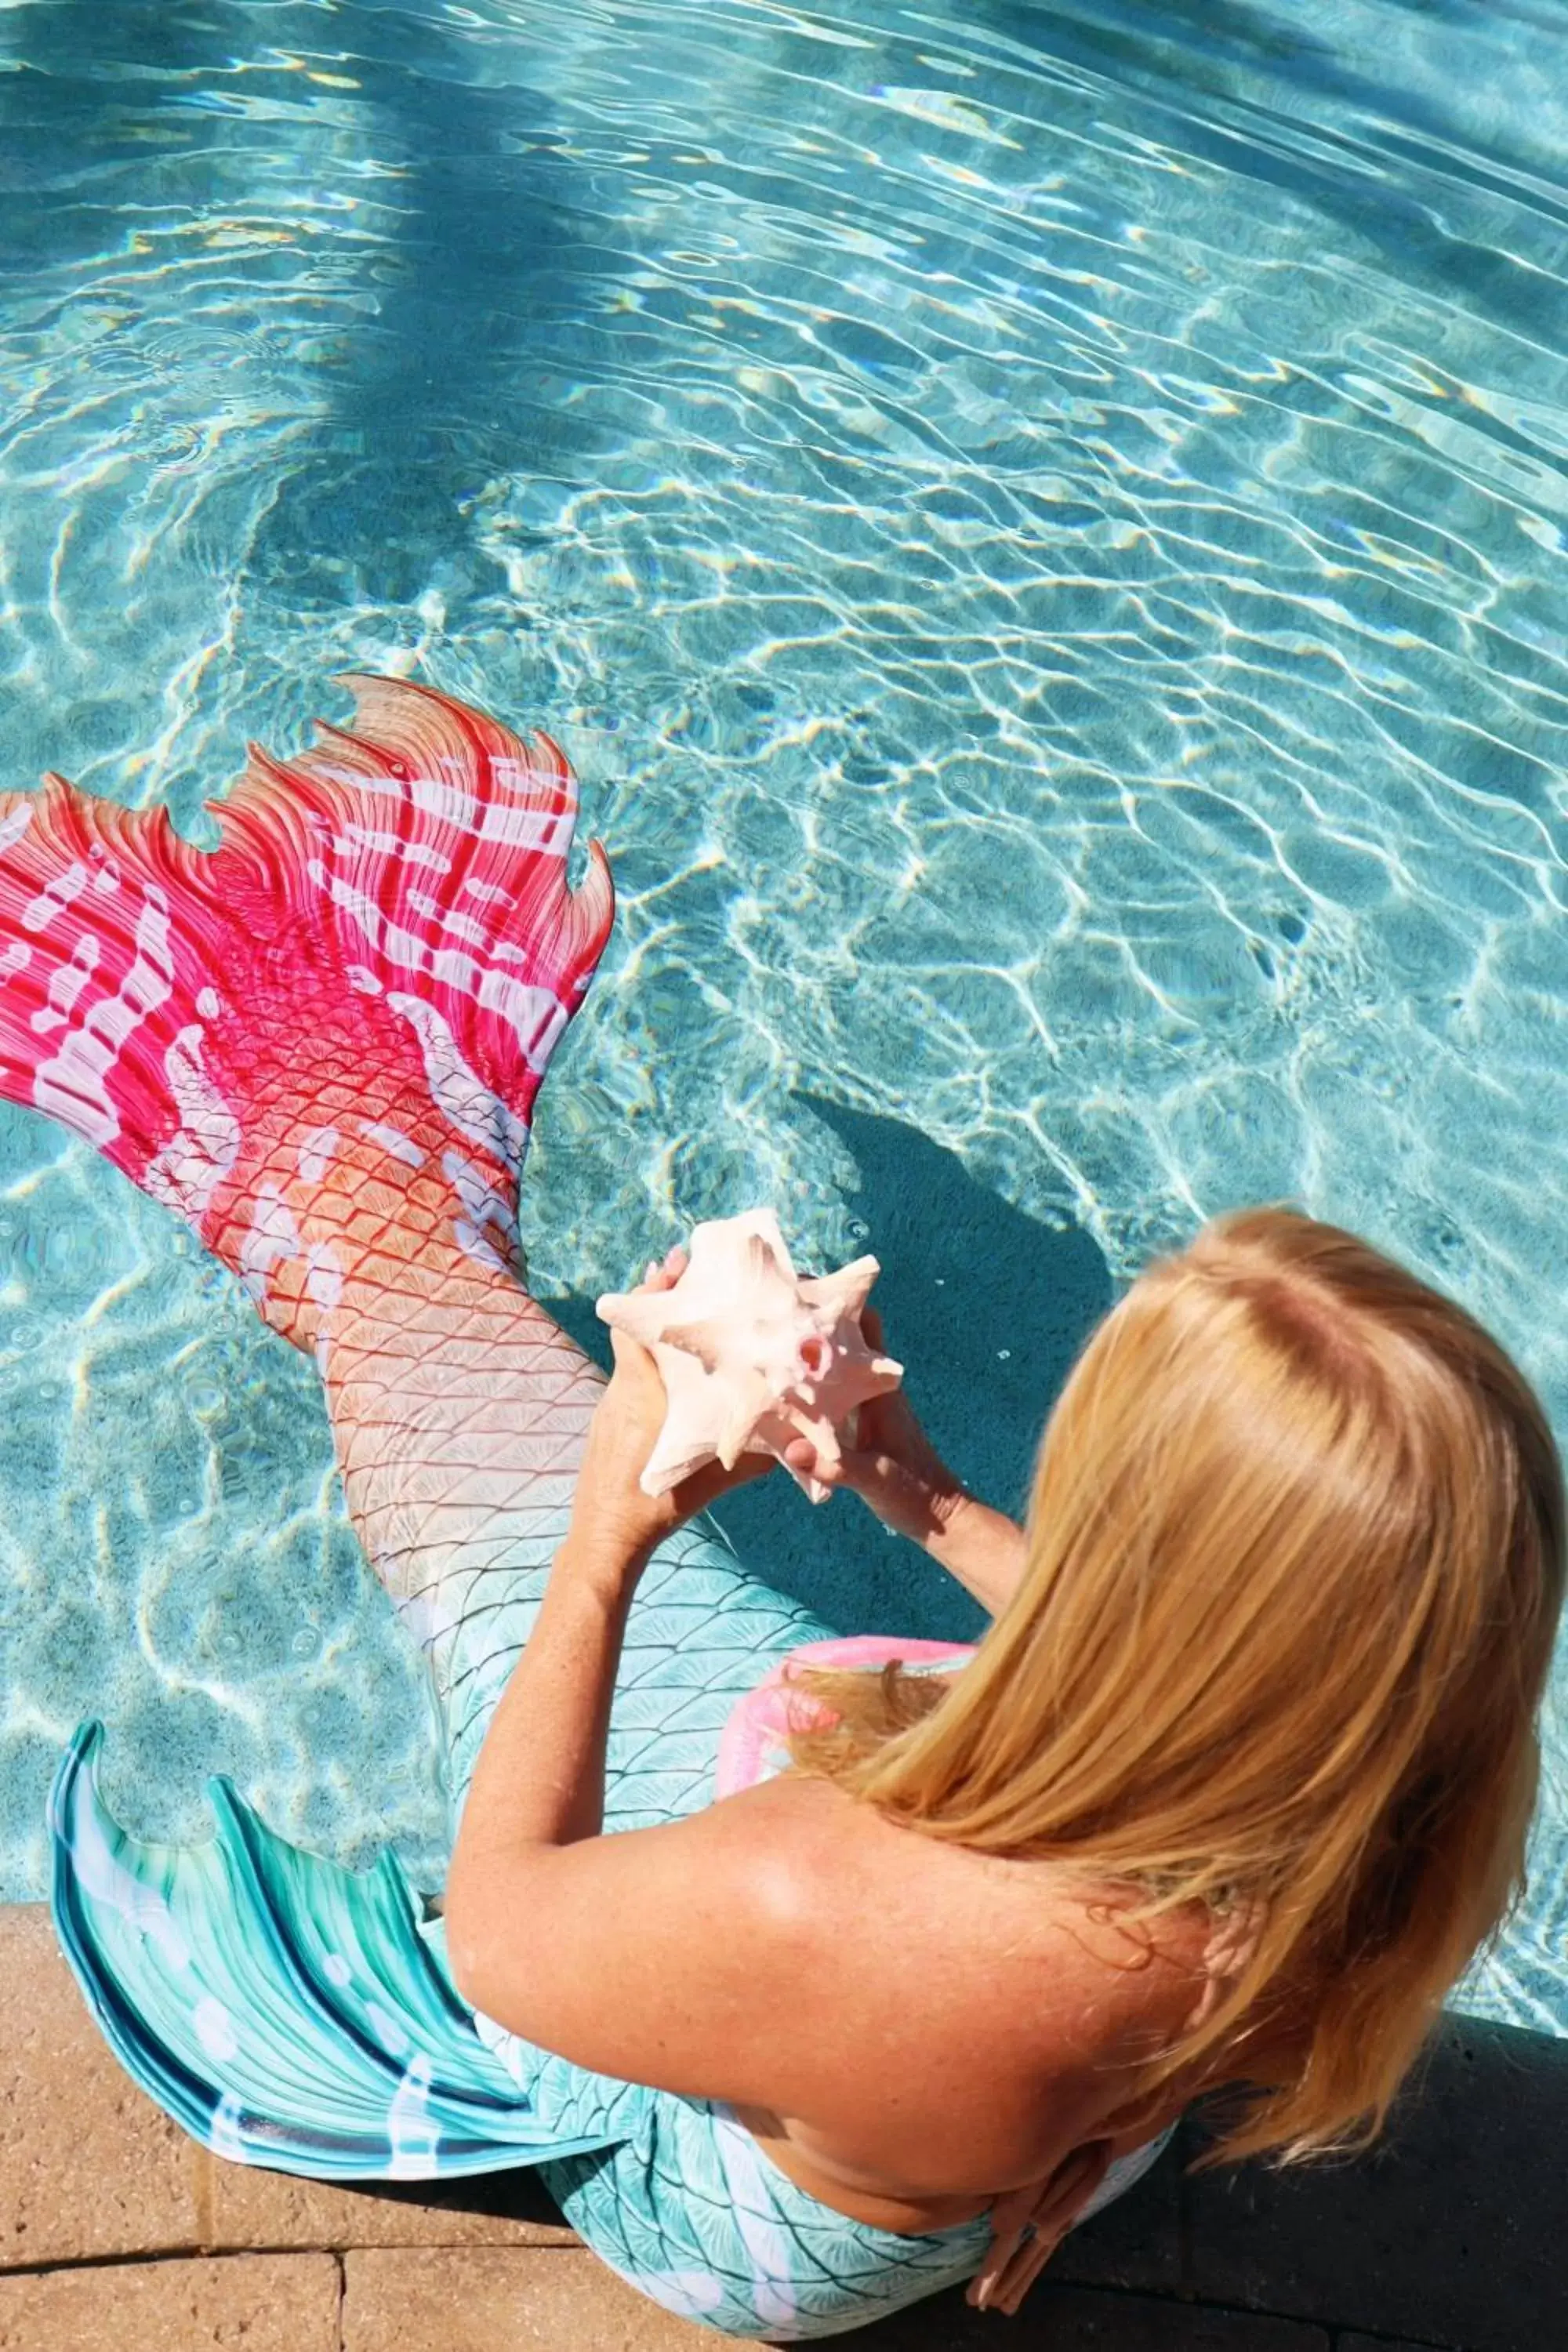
563 1934
982 1548
673 1956
898 1474
676 1956
539 1785
539 1780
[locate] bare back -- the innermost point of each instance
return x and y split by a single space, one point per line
972 2019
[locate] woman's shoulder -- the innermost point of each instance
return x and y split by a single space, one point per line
1013 2004
1045 1961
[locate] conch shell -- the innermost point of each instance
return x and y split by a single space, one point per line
752 1355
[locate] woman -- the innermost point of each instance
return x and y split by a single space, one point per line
1229 1795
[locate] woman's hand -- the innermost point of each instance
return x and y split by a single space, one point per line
1027 2227
897 1474
614 1524
892 1464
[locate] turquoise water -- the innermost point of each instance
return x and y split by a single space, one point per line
1043 533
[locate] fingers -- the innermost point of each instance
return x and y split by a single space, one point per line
665 1276
1012 2228
1028 2225
800 1454
706 1486
1011 2268
1019 2273
894 1493
869 1475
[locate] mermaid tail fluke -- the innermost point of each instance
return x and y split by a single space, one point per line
426 851
288 2013
359 990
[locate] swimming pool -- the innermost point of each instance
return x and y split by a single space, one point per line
1043 533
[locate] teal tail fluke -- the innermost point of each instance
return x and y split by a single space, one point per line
287 2011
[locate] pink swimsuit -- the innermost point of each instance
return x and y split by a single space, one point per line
755 1740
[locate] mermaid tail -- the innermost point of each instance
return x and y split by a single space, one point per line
291 2013
320 1044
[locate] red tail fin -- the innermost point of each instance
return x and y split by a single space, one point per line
387 919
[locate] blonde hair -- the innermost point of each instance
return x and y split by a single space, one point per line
1295 1560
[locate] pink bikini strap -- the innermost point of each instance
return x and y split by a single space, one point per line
755 1740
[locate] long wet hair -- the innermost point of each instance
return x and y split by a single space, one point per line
1295 1561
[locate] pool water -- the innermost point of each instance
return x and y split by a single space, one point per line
1043 531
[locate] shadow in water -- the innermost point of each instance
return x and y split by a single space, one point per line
470 359
987 1308
421 320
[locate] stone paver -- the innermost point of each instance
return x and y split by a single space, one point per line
253 2302
545 2299
245 2207
1075 2319
1451 2233
87 2166
1085 2319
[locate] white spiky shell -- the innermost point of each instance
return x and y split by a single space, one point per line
752 1355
